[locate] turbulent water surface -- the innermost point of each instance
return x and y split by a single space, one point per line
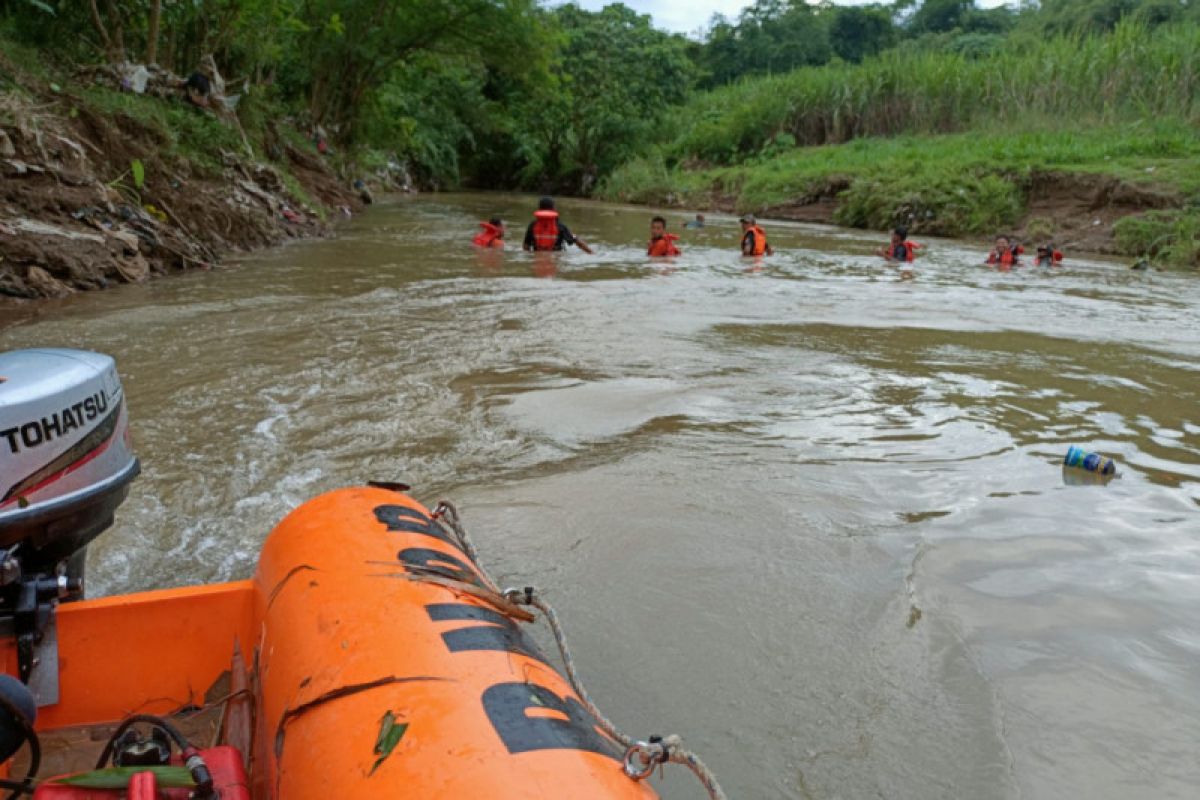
809 516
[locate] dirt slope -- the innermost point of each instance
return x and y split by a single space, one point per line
74 217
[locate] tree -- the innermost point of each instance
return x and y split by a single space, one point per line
769 36
940 16
719 56
1084 16
616 77
859 31
152 34
349 48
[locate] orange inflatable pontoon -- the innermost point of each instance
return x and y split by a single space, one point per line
376 671
370 657
358 623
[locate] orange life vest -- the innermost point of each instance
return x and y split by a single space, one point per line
1053 259
760 241
545 230
910 251
1008 258
663 246
490 236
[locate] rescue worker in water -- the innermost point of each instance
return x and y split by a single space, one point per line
900 249
547 233
661 242
1005 255
754 238
492 234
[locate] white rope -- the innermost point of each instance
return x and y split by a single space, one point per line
659 750
446 515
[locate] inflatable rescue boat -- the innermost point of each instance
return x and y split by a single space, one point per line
369 656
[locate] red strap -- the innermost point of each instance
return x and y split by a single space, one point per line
142 786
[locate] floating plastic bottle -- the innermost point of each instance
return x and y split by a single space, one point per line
1092 462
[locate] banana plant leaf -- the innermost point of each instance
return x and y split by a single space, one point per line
119 777
390 735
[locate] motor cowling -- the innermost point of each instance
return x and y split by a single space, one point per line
66 459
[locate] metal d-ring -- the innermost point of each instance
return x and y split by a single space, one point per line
638 773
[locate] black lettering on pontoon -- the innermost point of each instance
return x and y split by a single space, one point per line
498 633
409 520
507 706
423 561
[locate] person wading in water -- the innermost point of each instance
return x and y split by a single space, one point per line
547 233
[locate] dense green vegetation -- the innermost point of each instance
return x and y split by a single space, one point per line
518 94
967 182
1121 103
495 92
1132 73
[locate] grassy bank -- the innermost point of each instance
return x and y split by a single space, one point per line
959 184
1069 136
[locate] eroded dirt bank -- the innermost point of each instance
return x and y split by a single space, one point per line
90 196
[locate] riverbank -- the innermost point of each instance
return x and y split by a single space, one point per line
1117 191
883 445
104 186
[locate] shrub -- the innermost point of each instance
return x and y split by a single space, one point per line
1166 237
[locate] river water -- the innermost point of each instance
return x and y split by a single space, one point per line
806 515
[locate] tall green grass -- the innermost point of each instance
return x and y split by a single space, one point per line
1166 237
1132 73
962 183
1162 152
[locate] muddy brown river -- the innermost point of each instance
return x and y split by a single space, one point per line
808 516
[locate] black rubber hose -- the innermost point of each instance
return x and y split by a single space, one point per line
25 786
129 722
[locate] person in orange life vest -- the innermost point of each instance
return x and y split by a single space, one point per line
547 233
900 249
1005 255
1047 256
754 238
492 234
661 242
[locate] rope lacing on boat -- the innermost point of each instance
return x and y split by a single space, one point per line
641 757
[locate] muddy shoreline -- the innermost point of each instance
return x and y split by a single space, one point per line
1076 211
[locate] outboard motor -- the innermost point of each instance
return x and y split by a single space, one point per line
66 462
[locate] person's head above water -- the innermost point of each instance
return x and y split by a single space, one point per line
658 226
1002 242
499 223
748 220
899 234
699 218
546 204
